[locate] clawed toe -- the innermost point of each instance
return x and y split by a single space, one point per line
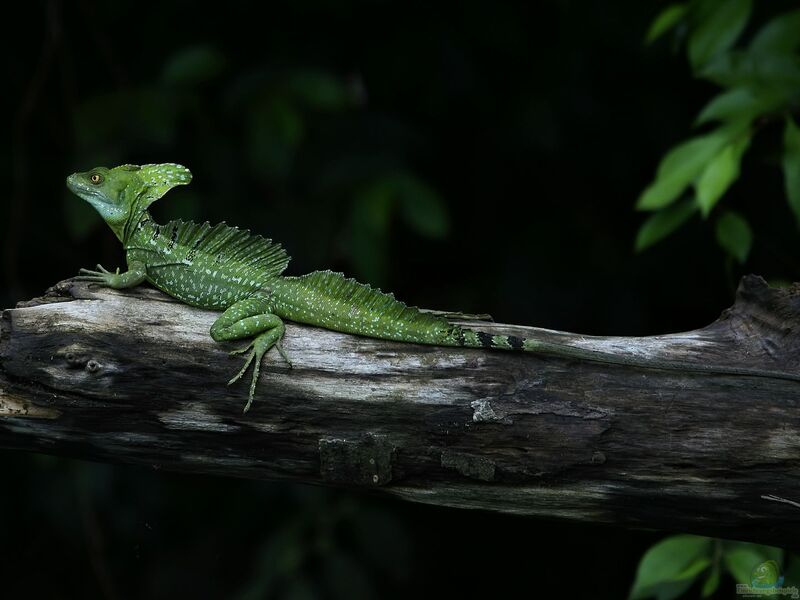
92 277
242 371
283 354
254 352
241 350
92 280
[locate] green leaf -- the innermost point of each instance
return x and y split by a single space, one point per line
734 235
740 103
780 35
664 21
746 69
668 568
741 558
275 130
700 564
319 90
791 165
680 167
193 65
720 173
370 216
663 223
711 583
423 209
718 30
374 206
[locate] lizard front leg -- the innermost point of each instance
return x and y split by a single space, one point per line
251 317
132 277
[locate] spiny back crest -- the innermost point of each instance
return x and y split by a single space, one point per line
226 245
337 287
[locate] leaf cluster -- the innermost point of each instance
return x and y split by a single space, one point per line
760 84
679 563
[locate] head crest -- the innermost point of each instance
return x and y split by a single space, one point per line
158 179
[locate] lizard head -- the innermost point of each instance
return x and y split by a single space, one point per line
121 195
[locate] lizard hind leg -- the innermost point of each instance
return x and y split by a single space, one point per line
247 318
255 352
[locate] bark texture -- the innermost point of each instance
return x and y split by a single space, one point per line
134 377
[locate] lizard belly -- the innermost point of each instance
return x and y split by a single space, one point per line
201 286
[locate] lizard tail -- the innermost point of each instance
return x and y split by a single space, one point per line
469 338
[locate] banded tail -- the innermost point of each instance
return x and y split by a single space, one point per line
469 338
330 300
481 339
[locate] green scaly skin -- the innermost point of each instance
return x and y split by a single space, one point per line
224 268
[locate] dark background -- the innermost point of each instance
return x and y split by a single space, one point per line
479 156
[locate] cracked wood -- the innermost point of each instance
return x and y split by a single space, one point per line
134 377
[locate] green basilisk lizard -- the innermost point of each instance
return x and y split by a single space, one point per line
228 269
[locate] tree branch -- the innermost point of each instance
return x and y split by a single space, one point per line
134 377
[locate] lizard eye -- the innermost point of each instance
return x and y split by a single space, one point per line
96 178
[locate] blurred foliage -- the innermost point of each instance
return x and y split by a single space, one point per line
340 551
270 113
692 566
323 543
85 530
481 159
760 90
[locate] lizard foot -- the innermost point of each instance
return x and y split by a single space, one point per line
255 352
101 276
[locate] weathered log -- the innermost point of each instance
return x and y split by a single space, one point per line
134 377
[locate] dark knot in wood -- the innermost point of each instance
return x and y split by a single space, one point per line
360 460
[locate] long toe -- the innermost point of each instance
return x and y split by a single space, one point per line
241 350
283 354
241 372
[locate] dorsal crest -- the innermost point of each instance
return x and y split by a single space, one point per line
227 245
340 289
154 180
